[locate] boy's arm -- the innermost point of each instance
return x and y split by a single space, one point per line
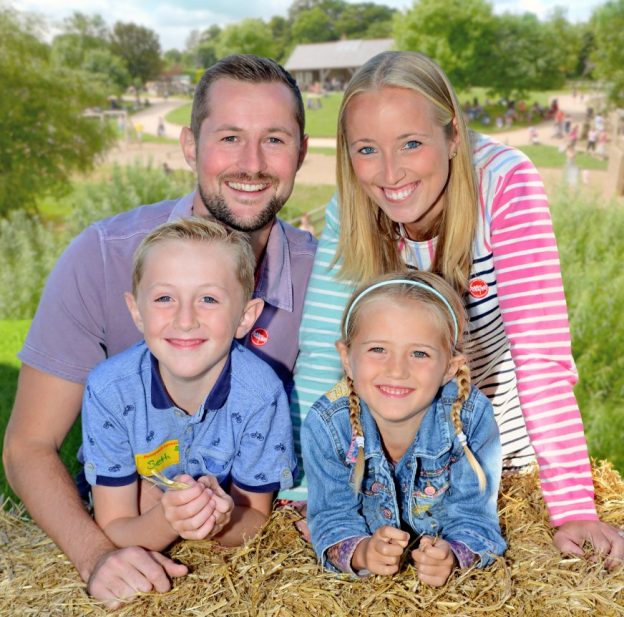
251 512
45 409
117 513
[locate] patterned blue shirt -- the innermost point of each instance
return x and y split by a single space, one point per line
242 433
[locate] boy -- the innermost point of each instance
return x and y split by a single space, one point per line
188 402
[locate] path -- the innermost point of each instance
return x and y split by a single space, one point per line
319 168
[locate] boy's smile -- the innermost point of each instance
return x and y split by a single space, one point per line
189 307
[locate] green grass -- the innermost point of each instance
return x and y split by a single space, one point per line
550 156
180 115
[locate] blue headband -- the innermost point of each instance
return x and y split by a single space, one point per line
424 286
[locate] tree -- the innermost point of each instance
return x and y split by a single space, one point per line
365 20
44 136
454 33
250 36
313 26
607 23
140 48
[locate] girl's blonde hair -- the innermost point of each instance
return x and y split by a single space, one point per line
368 243
446 308
195 229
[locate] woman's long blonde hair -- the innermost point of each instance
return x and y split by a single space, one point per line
368 244
448 312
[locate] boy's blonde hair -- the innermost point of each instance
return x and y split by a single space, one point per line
197 229
368 237
446 308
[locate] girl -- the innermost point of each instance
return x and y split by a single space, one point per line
415 188
418 445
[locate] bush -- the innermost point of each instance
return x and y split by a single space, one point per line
29 247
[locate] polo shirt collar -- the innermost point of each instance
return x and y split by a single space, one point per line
215 399
274 284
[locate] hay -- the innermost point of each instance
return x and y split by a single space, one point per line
276 575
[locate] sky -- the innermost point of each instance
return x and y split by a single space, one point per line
173 20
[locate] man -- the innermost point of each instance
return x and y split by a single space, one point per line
245 144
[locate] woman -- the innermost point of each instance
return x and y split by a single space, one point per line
416 188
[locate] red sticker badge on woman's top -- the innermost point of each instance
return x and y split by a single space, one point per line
478 288
259 337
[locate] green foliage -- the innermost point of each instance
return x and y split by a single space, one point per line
457 34
589 236
313 26
44 136
29 248
607 25
140 48
249 36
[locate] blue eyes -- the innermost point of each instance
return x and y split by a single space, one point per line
163 299
204 300
412 144
414 354
209 300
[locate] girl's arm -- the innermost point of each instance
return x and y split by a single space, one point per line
472 515
334 509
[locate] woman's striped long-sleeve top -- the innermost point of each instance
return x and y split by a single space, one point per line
518 342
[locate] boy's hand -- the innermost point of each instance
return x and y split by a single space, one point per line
190 511
381 553
434 561
224 504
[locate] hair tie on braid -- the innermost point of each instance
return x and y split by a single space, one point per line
359 441
463 440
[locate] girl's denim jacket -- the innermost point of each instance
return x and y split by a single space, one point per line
432 490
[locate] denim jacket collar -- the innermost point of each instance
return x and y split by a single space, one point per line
434 437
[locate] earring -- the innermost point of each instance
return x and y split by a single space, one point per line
453 154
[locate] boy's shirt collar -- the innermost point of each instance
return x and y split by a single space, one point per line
216 398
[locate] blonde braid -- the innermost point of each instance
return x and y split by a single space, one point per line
463 392
356 427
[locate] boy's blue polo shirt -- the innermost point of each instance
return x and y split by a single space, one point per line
242 433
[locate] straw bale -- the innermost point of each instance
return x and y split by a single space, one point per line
276 575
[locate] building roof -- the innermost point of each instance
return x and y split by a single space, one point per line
336 55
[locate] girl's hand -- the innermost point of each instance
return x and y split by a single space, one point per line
190 511
381 553
224 504
434 561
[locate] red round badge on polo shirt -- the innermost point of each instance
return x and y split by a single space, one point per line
478 288
259 337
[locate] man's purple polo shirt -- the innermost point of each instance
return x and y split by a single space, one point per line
82 317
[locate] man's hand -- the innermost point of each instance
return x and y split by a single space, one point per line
607 541
382 552
190 511
434 561
125 572
224 504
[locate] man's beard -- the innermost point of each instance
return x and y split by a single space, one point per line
219 210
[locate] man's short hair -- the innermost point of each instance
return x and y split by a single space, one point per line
247 68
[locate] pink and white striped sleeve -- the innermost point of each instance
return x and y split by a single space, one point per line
535 318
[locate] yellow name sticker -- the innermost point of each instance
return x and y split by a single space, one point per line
166 454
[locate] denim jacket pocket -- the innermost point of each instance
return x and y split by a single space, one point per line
431 485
